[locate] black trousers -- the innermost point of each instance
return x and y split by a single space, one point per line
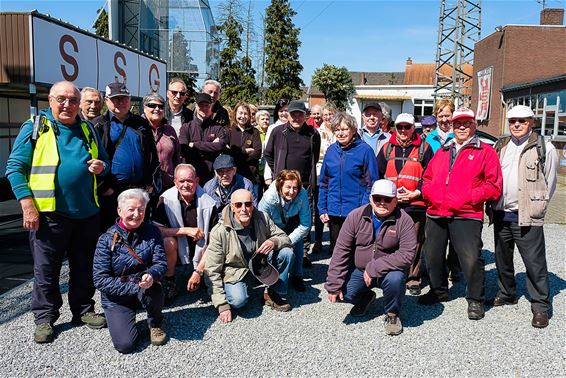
531 246
335 224
465 236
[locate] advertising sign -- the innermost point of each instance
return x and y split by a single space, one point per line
484 93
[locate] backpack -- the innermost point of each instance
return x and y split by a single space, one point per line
540 146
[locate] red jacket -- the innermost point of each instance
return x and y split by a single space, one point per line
457 184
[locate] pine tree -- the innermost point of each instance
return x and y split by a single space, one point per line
282 66
101 23
335 83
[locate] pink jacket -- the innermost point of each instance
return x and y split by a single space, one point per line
457 184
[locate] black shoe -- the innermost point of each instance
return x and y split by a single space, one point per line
431 298
414 290
298 284
475 310
500 301
362 308
170 291
317 247
307 263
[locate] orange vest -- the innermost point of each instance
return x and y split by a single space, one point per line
411 172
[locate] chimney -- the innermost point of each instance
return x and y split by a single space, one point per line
552 16
409 61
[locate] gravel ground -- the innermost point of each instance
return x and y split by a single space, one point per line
315 339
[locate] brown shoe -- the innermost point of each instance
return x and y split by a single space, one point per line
273 300
157 336
500 301
540 320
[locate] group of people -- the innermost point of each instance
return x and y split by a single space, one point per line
129 198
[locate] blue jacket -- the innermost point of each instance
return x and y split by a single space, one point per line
239 182
434 140
271 204
346 177
115 272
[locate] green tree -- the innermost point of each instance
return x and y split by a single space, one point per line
101 23
282 66
236 73
335 83
180 63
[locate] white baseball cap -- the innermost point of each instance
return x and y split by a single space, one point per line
405 118
463 113
520 111
384 188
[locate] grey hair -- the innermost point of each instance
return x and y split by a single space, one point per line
213 82
190 167
329 107
135 193
60 83
346 118
316 106
385 110
91 89
260 113
153 97
177 80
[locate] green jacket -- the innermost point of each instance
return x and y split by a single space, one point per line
225 261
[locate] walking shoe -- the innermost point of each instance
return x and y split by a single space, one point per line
540 319
298 284
273 300
170 291
43 333
157 336
475 310
91 319
431 298
500 301
307 263
414 289
392 325
361 309
317 247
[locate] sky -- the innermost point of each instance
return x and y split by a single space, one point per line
370 35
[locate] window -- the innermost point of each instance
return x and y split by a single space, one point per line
423 107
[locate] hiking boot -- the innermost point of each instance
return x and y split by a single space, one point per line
431 298
475 310
91 319
317 247
298 284
170 291
273 300
500 301
307 263
361 309
392 325
414 289
43 333
157 336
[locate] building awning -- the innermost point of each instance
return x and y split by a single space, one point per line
382 97
531 84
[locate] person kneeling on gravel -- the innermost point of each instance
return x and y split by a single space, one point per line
245 234
376 246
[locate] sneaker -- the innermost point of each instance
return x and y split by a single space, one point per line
392 325
307 263
317 247
361 309
414 289
170 291
43 333
91 319
298 284
475 310
157 336
500 301
273 300
431 298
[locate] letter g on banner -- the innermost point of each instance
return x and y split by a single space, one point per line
69 58
154 84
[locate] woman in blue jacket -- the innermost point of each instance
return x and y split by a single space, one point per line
348 170
128 265
287 204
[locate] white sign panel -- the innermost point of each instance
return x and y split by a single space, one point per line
116 62
63 54
484 94
152 76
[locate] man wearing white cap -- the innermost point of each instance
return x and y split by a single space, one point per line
529 179
463 175
385 242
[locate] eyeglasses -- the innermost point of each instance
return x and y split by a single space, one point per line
377 199
90 102
512 121
404 127
62 99
175 93
153 106
457 124
238 205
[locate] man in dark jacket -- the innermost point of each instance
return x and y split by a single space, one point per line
376 246
177 114
128 140
202 140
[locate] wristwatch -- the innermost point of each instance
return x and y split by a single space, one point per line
199 272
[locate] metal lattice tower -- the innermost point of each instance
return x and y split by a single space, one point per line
458 30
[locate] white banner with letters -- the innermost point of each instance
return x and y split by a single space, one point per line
484 93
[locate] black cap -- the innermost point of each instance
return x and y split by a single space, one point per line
263 270
372 105
116 89
224 161
203 97
297 106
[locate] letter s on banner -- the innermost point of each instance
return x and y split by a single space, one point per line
69 58
154 84
120 55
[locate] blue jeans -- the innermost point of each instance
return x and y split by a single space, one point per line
237 293
392 284
299 252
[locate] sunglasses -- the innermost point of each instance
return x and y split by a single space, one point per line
404 127
153 106
62 99
238 205
378 199
512 121
175 93
457 124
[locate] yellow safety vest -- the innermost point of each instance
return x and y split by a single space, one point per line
44 165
